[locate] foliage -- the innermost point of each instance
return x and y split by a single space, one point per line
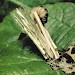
18 60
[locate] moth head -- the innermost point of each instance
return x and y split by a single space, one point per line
42 13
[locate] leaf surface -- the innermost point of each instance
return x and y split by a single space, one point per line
61 24
16 60
34 2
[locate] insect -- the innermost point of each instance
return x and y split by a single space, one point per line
36 31
42 13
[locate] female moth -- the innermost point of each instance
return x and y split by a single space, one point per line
37 32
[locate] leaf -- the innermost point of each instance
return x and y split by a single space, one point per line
61 24
34 2
5 7
13 62
52 1
16 60
9 31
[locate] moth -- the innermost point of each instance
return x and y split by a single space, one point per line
36 31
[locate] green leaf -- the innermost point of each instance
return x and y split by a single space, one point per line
61 23
5 7
52 1
34 2
13 62
9 31
16 60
